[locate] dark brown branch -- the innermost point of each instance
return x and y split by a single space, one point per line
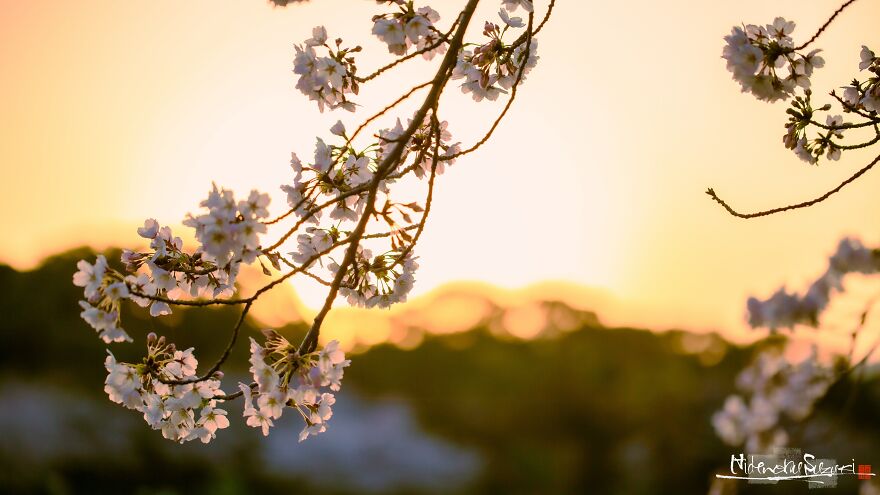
282 217
522 37
507 106
443 39
310 341
386 109
852 108
861 145
357 131
825 26
546 17
805 204
214 369
305 272
845 126
234 395
435 126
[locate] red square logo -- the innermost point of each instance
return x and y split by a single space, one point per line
864 472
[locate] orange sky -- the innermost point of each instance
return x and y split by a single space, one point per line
118 111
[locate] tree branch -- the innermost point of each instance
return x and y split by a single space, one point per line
519 75
805 204
310 341
825 26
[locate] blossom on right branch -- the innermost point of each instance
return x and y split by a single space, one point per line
785 310
492 68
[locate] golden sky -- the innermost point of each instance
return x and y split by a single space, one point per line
118 111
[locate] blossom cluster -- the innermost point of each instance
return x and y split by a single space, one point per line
182 412
229 232
773 389
865 95
408 27
337 171
785 310
764 61
800 116
285 379
103 294
171 272
424 141
326 79
377 281
862 98
492 68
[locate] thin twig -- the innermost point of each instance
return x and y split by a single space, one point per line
435 126
234 395
825 26
852 108
282 217
845 126
443 39
546 17
519 76
386 109
861 145
522 37
213 369
805 204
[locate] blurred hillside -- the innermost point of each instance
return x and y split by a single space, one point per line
579 408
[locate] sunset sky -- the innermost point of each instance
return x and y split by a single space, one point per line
114 112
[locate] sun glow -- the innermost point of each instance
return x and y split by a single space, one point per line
116 112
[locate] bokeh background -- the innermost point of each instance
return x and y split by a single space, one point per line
578 313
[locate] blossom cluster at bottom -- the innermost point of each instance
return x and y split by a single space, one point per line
182 412
284 378
165 388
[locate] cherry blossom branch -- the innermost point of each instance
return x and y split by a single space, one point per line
310 341
507 106
386 109
283 216
522 37
826 24
233 302
235 395
546 17
443 39
164 386
869 123
306 272
214 369
866 144
804 204
430 196
308 215
848 107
